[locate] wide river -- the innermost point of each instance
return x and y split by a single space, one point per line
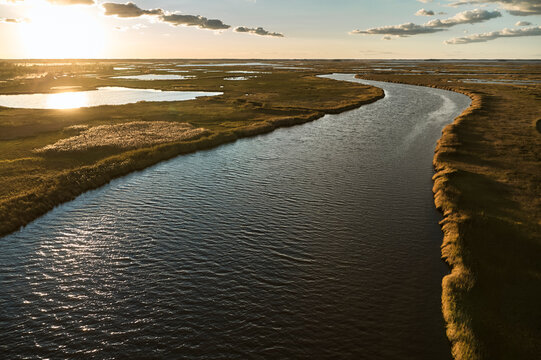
311 242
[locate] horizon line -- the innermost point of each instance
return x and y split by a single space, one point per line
281 59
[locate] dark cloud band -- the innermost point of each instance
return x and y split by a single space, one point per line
128 10
131 10
194 20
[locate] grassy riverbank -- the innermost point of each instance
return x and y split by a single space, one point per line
487 182
33 182
488 186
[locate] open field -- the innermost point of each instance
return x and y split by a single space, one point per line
487 183
488 186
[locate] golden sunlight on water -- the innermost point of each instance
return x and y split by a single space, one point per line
320 238
67 100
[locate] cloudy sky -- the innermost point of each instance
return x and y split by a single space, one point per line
270 29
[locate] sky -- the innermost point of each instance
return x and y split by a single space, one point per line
270 29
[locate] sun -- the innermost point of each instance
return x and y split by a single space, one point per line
62 32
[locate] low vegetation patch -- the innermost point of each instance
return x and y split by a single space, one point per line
130 135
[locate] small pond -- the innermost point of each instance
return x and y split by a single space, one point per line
101 96
154 77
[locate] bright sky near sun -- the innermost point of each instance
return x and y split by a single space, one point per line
270 29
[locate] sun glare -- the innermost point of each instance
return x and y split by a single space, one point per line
67 100
63 32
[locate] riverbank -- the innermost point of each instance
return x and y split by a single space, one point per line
300 226
487 181
33 183
487 185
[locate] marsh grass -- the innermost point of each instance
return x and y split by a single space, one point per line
15 69
488 186
50 156
488 183
130 135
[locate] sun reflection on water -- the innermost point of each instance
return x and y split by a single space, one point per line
67 100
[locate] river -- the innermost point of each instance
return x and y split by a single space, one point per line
315 241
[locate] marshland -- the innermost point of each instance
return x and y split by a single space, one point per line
242 179
340 208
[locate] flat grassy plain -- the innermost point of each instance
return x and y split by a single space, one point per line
32 183
488 186
487 181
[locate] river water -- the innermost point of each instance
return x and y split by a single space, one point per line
316 241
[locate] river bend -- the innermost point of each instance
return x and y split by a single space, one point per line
315 241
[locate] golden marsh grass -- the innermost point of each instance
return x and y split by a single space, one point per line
488 187
130 135
488 183
81 149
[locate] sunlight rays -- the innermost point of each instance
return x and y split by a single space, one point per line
62 32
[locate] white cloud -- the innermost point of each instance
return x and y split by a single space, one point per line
424 12
433 26
406 29
466 17
514 7
505 33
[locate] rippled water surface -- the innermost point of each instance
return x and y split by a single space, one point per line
316 241
101 96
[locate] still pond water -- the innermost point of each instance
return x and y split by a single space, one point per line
101 96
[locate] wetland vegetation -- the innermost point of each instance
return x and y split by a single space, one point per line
488 186
34 181
487 181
